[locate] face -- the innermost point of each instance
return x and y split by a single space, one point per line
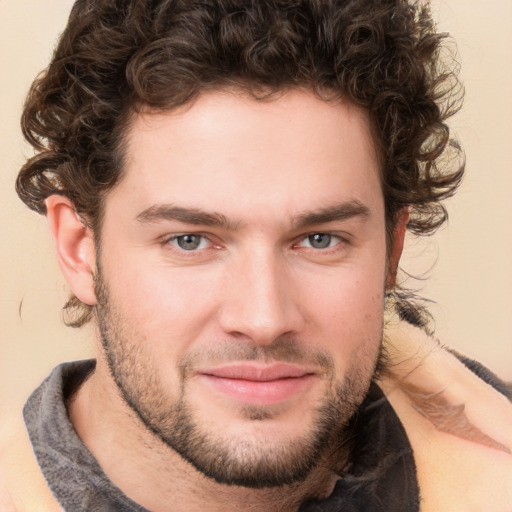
241 280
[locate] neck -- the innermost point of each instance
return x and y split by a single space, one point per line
156 477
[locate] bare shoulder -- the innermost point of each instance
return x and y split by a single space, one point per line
460 426
22 486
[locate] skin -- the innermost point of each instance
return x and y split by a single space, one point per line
259 289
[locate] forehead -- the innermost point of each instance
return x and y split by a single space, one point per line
227 149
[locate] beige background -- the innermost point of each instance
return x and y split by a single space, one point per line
472 277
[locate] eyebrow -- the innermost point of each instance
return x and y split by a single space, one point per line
196 216
340 212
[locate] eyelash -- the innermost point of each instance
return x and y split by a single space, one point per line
174 238
331 237
339 239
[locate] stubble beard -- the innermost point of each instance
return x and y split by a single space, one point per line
245 461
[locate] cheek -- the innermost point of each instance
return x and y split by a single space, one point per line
347 294
155 322
167 308
346 313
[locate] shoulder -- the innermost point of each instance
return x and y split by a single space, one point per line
458 420
22 486
485 374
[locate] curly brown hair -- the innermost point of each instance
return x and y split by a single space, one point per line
116 56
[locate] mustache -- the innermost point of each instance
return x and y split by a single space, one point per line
281 350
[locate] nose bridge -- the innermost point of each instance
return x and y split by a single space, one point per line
258 301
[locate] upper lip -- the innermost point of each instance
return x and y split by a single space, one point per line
254 372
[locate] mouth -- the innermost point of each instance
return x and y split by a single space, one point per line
261 385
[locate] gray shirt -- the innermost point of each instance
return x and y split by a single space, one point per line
73 474
381 476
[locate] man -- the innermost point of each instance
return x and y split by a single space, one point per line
228 185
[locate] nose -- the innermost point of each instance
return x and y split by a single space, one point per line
259 299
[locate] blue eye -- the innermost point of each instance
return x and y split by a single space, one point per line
320 241
190 242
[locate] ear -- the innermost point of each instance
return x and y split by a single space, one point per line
74 245
397 245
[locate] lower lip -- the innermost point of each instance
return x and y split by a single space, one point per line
261 392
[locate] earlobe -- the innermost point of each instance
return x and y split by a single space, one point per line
74 245
397 245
